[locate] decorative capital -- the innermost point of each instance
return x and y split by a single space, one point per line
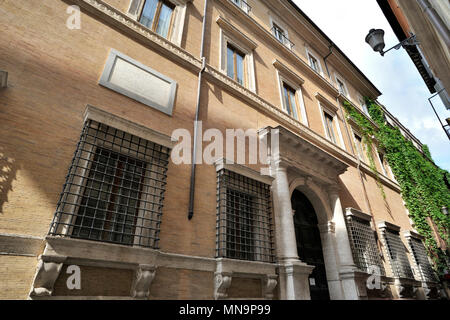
329 227
333 189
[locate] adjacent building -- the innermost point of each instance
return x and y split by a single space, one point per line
98 97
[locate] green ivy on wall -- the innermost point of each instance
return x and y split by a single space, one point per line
423 183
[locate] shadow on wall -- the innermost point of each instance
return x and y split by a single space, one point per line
8 171
347 199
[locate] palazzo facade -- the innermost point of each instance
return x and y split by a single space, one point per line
92 93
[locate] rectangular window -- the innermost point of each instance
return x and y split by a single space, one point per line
242 4
314 63
114 190
359 147
341 87
363 243
244 219
157 16
279 33
397 254
329 127
383 164
363 104
235 64
290 101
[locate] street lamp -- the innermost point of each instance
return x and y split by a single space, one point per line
375 39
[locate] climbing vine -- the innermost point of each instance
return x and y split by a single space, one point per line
425 188
367 132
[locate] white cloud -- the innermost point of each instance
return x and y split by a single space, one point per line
347 22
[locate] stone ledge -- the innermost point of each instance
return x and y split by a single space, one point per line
245 268
20 245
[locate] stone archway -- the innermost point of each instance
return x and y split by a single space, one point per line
309 244
298 164
326 225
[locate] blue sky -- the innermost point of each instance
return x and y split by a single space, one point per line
347 23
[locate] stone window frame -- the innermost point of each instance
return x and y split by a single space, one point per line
350 214
286 75
231 35
386 168
226 164
287 41
309 53
363 104
178 20
242 5
419 273
326 106
109 68
363 156
337 77
384 227
126 126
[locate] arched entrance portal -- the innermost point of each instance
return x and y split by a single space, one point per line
309 245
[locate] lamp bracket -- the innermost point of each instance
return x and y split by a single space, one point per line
411 41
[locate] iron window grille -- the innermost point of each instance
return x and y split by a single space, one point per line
244 220
422 265
244 6
363 244
114 189
396 250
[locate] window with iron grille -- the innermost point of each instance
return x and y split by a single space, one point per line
422 265
114 190
244 219
396 251
363 243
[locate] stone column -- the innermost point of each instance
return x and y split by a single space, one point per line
352 281
284 221
327 237
294 284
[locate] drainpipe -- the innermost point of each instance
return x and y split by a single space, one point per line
326 57
435 20
199 91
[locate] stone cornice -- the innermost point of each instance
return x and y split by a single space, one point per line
349 212
411 234
327 102
228 27
285 70
99 115
384 225
223 163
